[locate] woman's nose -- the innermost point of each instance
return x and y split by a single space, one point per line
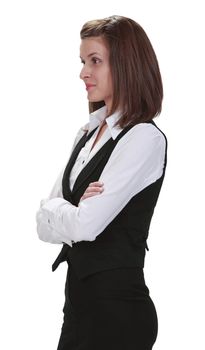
85 72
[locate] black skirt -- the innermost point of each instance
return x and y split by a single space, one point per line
108 310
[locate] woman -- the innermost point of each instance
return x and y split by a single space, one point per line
102 203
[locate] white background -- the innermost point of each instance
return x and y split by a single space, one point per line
42 105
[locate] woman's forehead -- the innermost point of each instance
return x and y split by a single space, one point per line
93 45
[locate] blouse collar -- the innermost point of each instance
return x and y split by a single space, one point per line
96 118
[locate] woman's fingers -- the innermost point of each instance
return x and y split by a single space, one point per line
96 184
93 189
90 194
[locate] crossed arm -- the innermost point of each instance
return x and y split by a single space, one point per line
136 162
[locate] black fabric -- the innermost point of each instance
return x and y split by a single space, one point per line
67 192
124 240
107 303
104 152
108 310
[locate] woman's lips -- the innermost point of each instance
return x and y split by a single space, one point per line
89 86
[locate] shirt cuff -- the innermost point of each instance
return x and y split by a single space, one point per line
49 225
51 211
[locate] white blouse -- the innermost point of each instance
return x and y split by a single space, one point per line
136 161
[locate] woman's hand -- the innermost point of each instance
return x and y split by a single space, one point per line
93 189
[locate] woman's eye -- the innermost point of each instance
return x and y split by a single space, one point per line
96 60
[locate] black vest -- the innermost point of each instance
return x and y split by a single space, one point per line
123 242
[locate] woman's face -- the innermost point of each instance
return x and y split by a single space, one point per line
96 72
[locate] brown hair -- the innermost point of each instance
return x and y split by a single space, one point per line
135 71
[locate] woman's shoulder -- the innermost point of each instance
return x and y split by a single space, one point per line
145 131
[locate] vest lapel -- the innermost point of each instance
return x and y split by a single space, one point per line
86 172
91 165
95 161
67 194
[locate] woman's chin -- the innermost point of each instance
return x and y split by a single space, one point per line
90 99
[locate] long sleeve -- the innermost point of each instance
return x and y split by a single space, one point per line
135 163
45 231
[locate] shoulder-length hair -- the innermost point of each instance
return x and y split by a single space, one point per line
137 83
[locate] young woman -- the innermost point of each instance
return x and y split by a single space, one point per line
102 203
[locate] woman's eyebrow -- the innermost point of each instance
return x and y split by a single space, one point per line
91 54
